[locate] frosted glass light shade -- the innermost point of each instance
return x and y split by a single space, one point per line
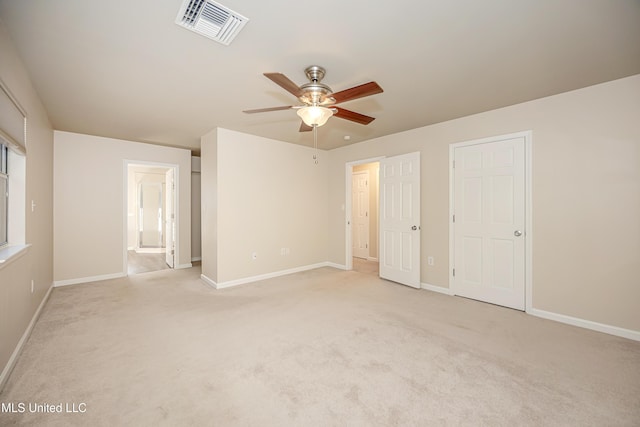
315 116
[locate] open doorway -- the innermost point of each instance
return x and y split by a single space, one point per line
150 243
362 205
397 200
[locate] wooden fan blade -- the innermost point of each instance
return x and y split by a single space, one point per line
284 82
353 116
264 110
356 92
305 127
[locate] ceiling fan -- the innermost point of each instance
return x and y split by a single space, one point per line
319 101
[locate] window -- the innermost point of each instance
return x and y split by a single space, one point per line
4 196
13 142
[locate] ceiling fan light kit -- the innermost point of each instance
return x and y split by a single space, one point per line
315 115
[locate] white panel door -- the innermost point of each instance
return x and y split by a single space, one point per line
170 221
360 214
489 221
400 219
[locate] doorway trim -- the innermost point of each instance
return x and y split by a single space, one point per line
528 210
125 205
348 262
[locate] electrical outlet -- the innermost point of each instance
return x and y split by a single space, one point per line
430 260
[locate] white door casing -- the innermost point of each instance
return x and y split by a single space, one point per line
400 219
489 221
360 214
347 207
170 222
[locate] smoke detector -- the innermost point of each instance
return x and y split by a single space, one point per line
211 19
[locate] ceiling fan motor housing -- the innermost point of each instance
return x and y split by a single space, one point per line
315 93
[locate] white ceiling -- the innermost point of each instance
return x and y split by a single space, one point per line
124 69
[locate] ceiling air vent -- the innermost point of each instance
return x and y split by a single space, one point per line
211 20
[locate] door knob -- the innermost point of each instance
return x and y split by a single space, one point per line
414 228
517 233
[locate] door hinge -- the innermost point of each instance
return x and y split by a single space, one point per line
366 246
454 164
454 272
454 217
366 214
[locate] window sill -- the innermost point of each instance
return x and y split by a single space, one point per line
8 254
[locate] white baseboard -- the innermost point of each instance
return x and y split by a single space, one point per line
67 282
251 279
372 259
334 265
434 288
197 258
587 324
181 266
574 321
208 281
4 376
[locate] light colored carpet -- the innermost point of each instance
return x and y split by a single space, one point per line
365 266
143 263
319 348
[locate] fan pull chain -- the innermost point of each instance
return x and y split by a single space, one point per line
315 143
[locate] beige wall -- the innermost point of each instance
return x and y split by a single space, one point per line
586 196
89 197
196 222
270 195
17 303
374 192
209 203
